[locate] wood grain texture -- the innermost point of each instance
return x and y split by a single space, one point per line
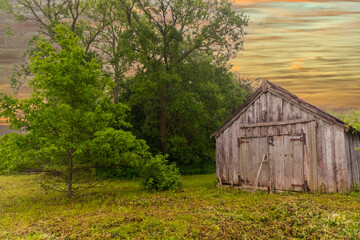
341 174
219 159
226 156
268 89
327 172
288 122
313 181
326 160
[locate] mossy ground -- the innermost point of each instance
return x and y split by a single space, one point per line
199 210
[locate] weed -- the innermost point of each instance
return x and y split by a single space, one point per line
199 211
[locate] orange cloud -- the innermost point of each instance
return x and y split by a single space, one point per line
296 67
236 68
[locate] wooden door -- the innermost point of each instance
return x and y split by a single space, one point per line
251 153
287 161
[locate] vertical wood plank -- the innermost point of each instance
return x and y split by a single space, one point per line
226 155
357 158
313 183
270 103
263 107
254 158
243 161
257 111
250 114
264 174
307 151
298 163
304 114
296 113
287 111
348 157
354 142
235 160
219 159
230 157
328 175
288 151
277 108
340 159
277 158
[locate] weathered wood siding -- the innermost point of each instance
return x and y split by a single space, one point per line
231 167
332 157
352 141
330 161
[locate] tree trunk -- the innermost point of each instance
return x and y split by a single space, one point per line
163 131
70 177
116 89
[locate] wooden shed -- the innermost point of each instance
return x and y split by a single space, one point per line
298 146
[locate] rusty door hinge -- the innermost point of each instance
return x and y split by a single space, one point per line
297 139
241 141
304 186
300 138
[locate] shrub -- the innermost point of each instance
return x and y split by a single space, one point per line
157 174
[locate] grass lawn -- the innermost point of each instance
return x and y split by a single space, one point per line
198 211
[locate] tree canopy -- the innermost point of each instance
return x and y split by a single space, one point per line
71 125
168 61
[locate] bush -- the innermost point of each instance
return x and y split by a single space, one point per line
158 175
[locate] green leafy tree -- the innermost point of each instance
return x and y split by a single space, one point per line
166 34
202 96
69 120
146 48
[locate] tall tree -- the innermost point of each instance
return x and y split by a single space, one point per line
69 120
167 32
146 45
202 95
98 24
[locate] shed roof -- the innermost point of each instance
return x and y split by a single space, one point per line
267 86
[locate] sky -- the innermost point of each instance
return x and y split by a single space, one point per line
311 48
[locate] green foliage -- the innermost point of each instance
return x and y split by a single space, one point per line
158 175
167 61
352 118
118 172
198 211
182 89
15 154
202 96
71 125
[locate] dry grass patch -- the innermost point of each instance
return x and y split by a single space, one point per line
198 211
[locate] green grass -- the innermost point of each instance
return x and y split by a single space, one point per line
198 211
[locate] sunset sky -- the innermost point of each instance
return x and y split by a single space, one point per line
311 48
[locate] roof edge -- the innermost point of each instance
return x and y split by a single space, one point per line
267 86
